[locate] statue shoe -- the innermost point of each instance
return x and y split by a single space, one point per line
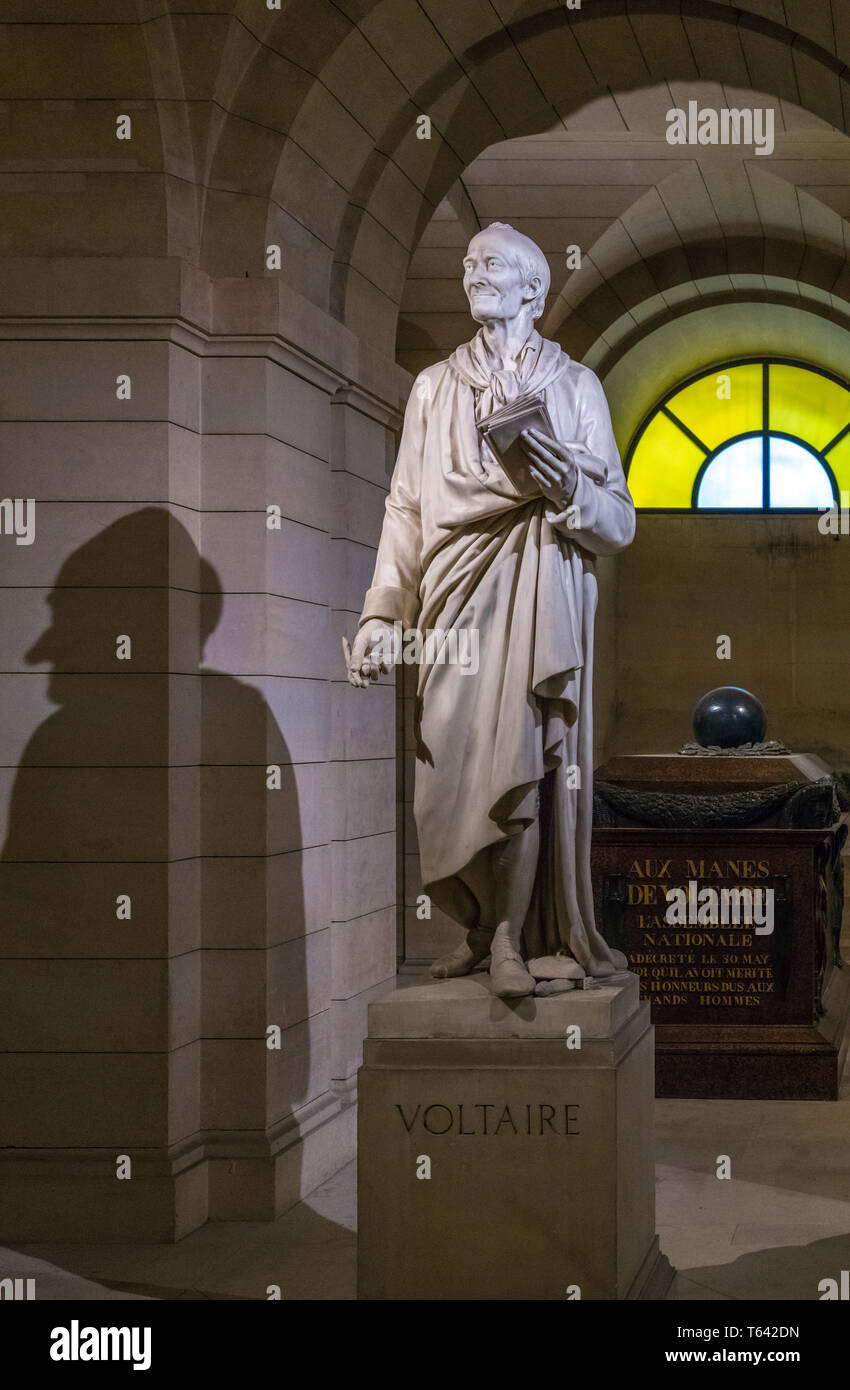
599 969
465 957
508 976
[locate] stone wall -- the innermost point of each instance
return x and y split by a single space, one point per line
168 894
775 586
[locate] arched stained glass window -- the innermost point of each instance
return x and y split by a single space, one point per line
750 435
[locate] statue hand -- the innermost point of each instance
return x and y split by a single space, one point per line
375 650
552 467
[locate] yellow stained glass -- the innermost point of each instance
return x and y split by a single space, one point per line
722 404
807 405
664 466
839 461
807 410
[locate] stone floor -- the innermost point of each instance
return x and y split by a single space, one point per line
778 1227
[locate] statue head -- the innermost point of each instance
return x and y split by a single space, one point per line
505 274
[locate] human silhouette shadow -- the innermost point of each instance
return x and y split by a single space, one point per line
141 1029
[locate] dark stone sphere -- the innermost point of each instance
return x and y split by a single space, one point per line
728 717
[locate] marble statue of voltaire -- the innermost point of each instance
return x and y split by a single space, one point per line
503 794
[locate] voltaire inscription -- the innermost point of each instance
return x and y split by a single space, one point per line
492 1118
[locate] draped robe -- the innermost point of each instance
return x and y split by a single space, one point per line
461 548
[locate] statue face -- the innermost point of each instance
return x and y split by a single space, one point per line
495 286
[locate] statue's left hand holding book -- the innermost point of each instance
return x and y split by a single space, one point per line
503 431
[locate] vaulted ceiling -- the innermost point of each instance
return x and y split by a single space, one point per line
298 126
661 228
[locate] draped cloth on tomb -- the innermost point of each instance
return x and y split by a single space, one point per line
460 549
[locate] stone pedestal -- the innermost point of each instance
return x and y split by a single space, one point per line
497 1160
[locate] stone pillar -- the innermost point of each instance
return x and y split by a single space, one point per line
502 1154
363 771
298 915
265 810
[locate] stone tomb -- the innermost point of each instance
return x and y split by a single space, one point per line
742 1010
495 1161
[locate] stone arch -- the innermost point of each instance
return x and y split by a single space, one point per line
63 98
659 243
603 356
796 230
774 64
483 81
708 329
182 198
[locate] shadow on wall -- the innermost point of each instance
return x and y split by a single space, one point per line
151 910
